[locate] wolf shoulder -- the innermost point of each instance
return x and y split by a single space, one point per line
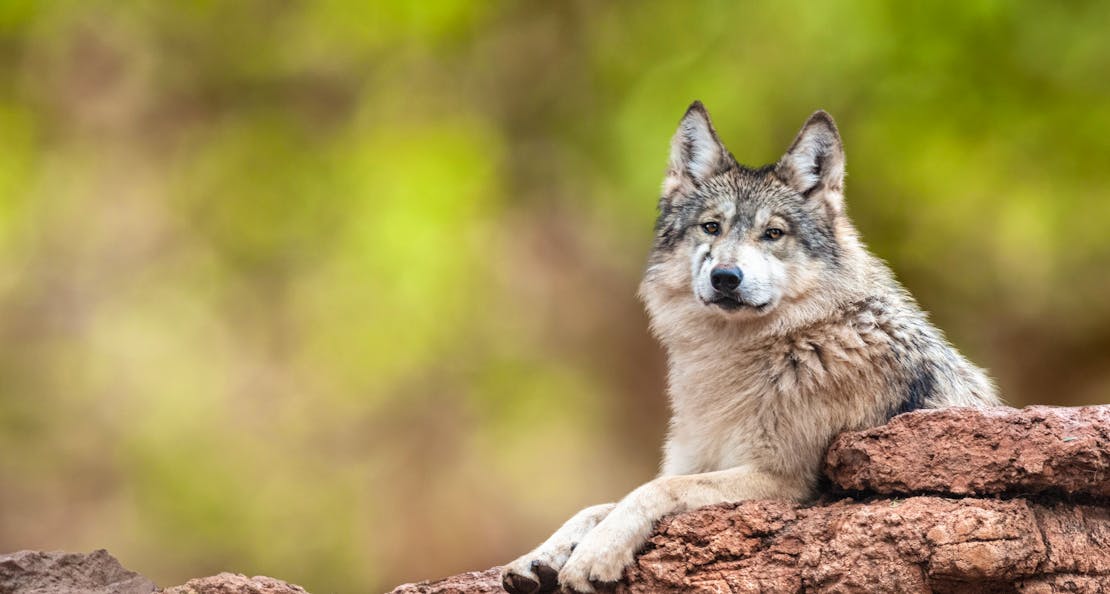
922 368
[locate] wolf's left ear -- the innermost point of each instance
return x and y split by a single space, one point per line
814 164
697 154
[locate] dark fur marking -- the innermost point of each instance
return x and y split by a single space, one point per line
918 391
820 355
817 170
817 239
668 228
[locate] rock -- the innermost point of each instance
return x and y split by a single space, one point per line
474 582
234 583
920 544
35 572
926 531
1061 583
962 451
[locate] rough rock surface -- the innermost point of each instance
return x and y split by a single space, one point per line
474 582
235 583
35 572
921 544
992 501
961 451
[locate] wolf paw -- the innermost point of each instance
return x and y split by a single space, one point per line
530 575
538 571
594 568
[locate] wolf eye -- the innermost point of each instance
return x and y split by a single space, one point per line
773 234
712 227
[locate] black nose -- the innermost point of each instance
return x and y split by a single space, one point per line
726 278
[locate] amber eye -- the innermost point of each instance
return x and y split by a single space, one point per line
712 227
773 234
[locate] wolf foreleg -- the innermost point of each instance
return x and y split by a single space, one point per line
605 551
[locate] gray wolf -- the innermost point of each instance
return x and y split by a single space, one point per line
781 331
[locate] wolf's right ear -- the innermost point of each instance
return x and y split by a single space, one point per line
696 152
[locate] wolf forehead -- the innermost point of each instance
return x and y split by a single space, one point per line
741 191
742 198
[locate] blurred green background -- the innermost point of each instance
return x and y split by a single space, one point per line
344 292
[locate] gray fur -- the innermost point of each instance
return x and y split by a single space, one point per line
817 339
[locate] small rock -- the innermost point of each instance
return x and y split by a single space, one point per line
235 583
36 572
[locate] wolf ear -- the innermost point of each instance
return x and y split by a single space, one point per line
696 152
814 164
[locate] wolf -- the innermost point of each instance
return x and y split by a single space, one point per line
781 331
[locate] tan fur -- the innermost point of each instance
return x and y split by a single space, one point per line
758 393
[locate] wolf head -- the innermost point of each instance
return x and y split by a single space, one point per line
740 243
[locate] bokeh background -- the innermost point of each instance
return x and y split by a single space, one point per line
344 292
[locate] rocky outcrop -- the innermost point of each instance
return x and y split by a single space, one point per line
918 544
951 501
957 500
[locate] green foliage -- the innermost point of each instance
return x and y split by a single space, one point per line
344 292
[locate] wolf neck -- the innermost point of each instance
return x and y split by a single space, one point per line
713 359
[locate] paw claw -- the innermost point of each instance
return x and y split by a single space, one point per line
549 578
603 587
514 583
